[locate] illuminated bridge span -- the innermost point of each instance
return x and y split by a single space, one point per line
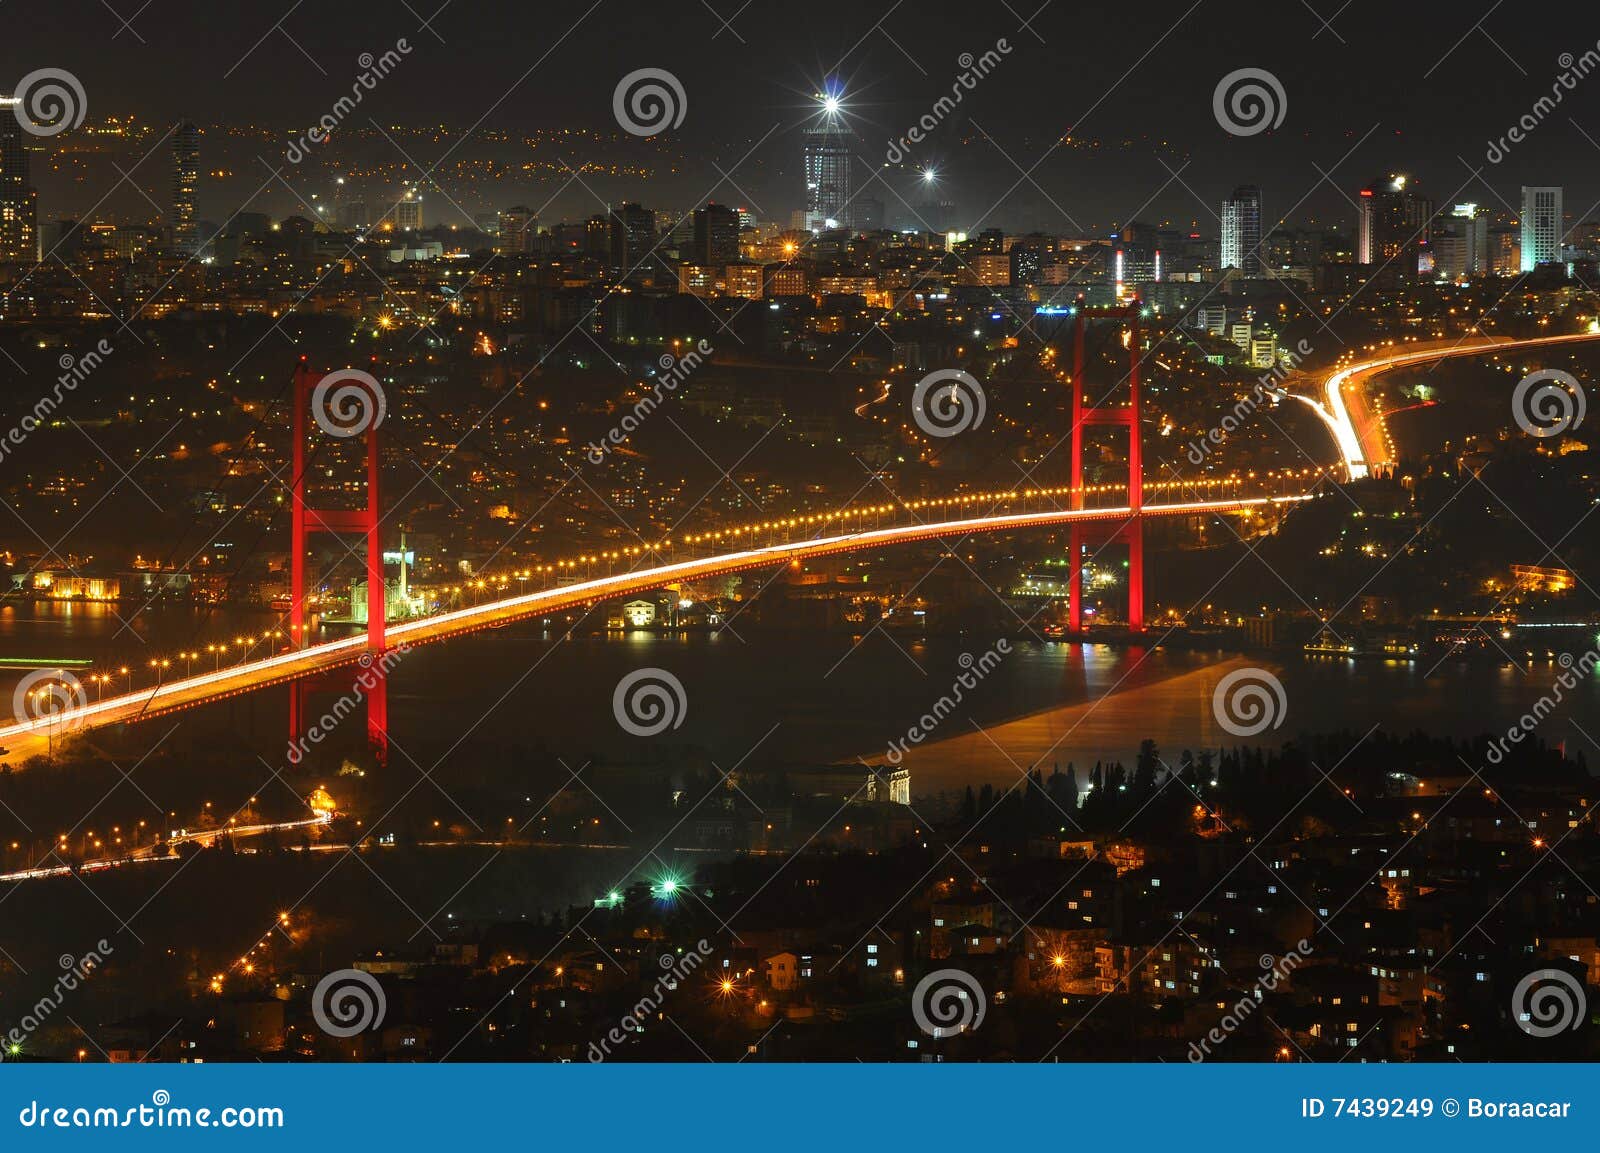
1360 436
30 737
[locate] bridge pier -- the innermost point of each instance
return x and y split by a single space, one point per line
306 520
1131 531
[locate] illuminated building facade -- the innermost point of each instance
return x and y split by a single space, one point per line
633 234
1541 226
1392 225
1241 231
185 187
518 228
830 188
19 237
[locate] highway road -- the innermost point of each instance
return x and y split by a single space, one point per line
1361 434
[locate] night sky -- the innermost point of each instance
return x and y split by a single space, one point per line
1411 87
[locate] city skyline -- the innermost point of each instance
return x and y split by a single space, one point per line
1141 134
874 537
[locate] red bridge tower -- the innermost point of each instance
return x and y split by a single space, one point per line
1130 531
331 397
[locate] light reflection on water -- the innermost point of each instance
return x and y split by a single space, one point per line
800 697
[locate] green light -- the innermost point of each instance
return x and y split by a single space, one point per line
669 886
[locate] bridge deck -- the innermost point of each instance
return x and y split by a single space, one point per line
30 737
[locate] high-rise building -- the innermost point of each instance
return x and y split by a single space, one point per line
518 227
716 235
1461 248
633 235
1241 231
1541 226
830 185
1393 225
185 188
19 229
408 212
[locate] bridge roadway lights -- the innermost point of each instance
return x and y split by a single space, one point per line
305 520
1129 531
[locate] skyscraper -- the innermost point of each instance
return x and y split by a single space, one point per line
18 212
1392 225
1462 247
830 187
716 234
633 232
185 184
518 228
1541 226
408 212
1241 231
